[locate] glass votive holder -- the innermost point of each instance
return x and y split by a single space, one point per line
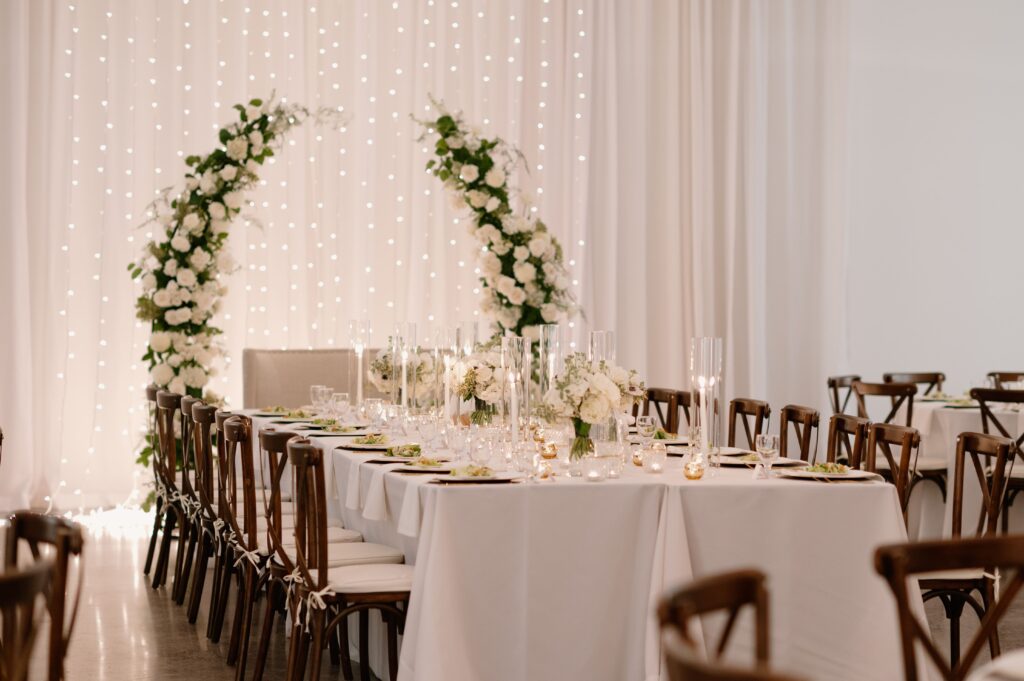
655 458
636 455
694 468
548 450
594 469
613 466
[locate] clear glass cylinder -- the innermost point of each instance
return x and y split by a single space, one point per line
514 361
549 356
706 387
602 346
359 338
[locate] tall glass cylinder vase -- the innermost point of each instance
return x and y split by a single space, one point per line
602 346
549 355
468 337
359 339
514 351
706 386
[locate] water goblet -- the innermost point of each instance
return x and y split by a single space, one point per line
646 427
340 402
767 452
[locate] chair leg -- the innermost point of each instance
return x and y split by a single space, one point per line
236 622
346 656
181 590
179 561
153 538
273 590
219 561
392 648
164 556
954 606
303 653
317 644
217 618
332 647
195 596
246 633
364 645
988 597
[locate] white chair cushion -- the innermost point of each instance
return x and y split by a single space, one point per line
357 579
971 573
335 535
356 553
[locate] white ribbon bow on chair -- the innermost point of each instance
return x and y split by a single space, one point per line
315 599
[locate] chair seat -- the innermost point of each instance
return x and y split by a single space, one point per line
925 464
971 574
335 535
355 553
363 579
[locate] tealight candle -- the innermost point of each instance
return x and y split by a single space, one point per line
594 476
638 457
693 470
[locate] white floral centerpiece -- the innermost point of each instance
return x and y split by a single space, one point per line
525 283
421 372
481 378
588 393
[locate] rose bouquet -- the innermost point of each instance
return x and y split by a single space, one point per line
383 372
589 393
481 378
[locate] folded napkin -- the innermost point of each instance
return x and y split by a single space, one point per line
376 503
409 523
352 493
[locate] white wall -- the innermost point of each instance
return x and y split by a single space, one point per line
936 187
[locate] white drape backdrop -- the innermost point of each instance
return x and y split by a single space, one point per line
684 152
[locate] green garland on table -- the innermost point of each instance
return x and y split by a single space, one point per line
524 278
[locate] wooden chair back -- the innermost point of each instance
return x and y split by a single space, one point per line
987 397
729 593
753 414
309 499
898 563
804 421
168 410
683 663
206 485
899 394
667 404
840 392
58 542
928 380
882 437
992 460
847 438
188 464
999 378
274 456
224 474
238 457
21 592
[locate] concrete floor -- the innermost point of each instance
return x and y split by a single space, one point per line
126 630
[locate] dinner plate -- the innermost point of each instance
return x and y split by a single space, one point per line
471 479
674 441
739 463
409 468
370 448
853 475
734 451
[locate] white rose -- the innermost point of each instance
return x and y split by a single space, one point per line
190 222
160 341
539 244
517 296
501 247
492 204
477 198
204 300
595 409
256 138
517 223
524 271
238 148
252 113
607 387
174 360
148 282
234 200
186 277
454 142
619 375
521 253
171 268
225 261
181 243
495 177
550 312
203 356
162 298
173 317
457 202
152 264
469 173
191 183
161 374
252 166
200 259
228 173
177 386
208 183
197 316
490 264
218 211
219 226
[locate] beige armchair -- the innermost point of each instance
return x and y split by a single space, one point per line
283 377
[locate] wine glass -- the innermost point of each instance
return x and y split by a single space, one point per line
340 404
646 426
767 452
314 394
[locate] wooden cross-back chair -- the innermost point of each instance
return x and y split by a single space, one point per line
847 438
727 593
168 411
1000 378
328 595
898 395
154 460
191 505
203 420
223 565
21 593
900 562
58 542
956 589
755 415
840 392
882 437
987 397
804 421
926 381
667 403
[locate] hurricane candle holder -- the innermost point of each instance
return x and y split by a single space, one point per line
548 356
514 351
602 346
359 337
705 382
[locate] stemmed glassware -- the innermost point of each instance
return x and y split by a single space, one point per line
646 427
340 404
767 452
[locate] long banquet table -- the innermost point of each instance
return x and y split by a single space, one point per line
558 579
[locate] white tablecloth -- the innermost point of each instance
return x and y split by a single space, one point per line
556 580
939 426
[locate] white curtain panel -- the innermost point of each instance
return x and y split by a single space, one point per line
687 154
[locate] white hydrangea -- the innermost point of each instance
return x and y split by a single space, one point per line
160 341
200 259
228 173
238 148
180 243
524 271
177 385
495 177
521 253
186 277
469 173
217 211
161 374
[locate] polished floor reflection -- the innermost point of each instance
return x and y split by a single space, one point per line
126 630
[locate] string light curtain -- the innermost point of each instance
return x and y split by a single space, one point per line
105 99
